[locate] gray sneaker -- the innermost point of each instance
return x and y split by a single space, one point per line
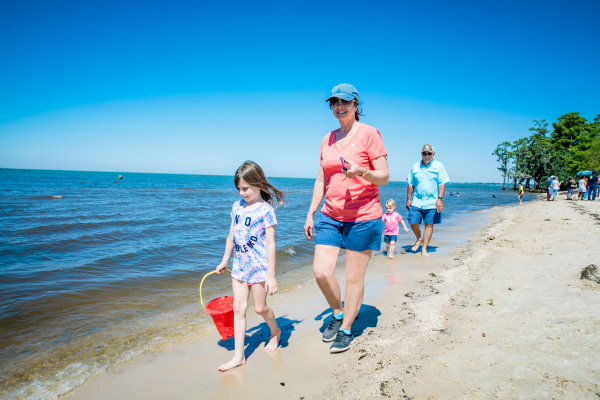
332 329
342 342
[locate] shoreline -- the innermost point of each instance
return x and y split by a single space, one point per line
303 314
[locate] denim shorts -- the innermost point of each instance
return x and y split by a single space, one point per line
355 236
430 216
388 239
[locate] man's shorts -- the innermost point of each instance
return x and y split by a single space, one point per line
430 216
387 238
355 236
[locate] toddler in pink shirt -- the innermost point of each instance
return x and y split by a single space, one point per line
391 231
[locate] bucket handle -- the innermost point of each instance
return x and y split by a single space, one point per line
205 276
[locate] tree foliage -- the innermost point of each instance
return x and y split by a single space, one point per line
573 145
502 152
575 135
593 156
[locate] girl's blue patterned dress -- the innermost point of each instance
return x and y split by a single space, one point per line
249 238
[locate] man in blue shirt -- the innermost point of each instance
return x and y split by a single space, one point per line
426 186
592 186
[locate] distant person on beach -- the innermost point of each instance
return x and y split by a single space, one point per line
582 189
549 188
353 165
426 186
450 193
555 187
390 234
592 186
572 185
457 195
251 242
520 194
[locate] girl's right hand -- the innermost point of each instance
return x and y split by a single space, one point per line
308 227
221 268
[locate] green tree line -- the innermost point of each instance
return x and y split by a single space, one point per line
573 145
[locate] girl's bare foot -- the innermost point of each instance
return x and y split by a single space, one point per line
391 256
273 342
234 362
417 244
424 252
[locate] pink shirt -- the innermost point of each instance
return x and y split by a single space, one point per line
351 200
391 223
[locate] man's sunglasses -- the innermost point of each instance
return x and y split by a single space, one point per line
426 153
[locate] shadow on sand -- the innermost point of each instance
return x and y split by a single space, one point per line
430 249
261 334
367 318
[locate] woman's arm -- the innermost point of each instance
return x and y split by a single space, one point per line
318 193
228 251
271 284
379 175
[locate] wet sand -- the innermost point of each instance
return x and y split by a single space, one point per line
420 331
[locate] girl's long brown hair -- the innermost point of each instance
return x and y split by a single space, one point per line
253 175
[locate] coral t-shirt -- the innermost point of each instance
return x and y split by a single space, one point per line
351 200
391 223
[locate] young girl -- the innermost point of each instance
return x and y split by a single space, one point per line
251 241
391 220
520 194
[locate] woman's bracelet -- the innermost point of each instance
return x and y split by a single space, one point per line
364 173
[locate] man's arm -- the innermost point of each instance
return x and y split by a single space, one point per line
409 193
439 204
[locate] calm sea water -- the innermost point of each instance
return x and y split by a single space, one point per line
95 271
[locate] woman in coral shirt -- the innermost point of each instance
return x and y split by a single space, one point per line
353 165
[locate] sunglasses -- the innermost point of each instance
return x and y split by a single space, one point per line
426 153
334 102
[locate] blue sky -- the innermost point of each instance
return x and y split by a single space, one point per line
199 87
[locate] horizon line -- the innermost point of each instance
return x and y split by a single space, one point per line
172 173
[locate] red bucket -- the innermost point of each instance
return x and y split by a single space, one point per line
221 311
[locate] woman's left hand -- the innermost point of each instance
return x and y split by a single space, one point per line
271 286
354 169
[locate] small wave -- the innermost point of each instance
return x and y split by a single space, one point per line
54 228
47 197
289 250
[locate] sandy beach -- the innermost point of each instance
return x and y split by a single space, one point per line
503 315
